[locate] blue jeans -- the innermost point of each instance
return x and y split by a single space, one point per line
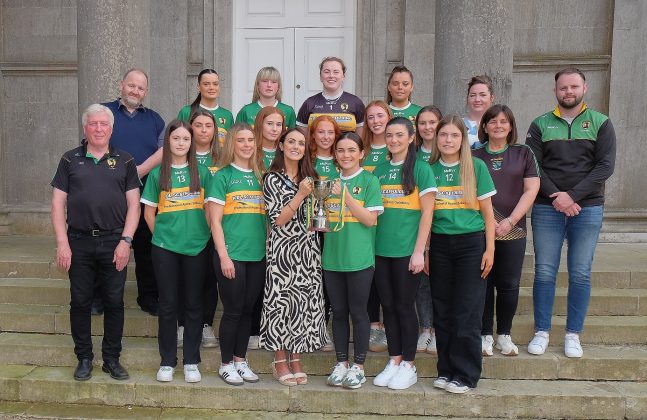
549 229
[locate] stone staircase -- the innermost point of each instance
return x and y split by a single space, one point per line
36 359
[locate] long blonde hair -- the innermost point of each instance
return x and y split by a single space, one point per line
467 176
227 155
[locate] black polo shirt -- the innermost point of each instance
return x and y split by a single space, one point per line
96 191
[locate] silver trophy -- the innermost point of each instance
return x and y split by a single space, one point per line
321 189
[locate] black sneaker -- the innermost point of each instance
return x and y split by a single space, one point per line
116 371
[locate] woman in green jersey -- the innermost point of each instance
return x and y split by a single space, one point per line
408 193
426 122
377 115
323 133
349 257
398 93
461 254
207 149
267 92
269 126
174 212
208 94
238 228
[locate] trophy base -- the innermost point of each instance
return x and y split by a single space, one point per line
319 229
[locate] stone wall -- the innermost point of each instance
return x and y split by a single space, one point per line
520 43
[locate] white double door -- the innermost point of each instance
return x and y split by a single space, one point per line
293 36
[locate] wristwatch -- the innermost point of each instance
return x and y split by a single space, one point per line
127 239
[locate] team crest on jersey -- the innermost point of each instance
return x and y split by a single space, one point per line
497 163
357 190
112 162
344 106
221 121
586 125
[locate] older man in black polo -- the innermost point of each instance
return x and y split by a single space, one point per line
99 187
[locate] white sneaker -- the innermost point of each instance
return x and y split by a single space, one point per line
192 374
441 382
423 342
329 345
180 336
338 374
384 377
505 344
539 343
254 343
354 378
572 346
165 373
487 341
405 377
245 371
431 347
229 374
208 336
456 387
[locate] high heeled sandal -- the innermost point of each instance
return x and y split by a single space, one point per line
288 379
299 375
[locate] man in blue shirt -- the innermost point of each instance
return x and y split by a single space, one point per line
139 130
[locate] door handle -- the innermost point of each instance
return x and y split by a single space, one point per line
298 86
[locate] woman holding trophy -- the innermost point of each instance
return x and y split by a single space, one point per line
349 257
292 319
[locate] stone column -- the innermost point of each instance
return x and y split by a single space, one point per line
419 44
472 39
112 36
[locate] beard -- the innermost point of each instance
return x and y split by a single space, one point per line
571 102
130 101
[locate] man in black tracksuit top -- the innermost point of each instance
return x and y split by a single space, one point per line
575 148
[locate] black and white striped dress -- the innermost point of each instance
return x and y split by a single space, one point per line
293 302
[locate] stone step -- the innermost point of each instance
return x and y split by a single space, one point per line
56 292
54 319
625 363
600 278
492 398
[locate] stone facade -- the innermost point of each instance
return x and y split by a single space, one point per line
58 56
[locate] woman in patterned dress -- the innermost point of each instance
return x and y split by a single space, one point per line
293 306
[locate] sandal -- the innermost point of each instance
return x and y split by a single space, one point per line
299 375
288 379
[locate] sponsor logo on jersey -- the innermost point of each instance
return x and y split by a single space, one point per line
243 201
333 205
393 197
179 199
451 198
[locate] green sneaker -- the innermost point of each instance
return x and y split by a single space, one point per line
354 378
338 374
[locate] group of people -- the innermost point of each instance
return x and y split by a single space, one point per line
427 225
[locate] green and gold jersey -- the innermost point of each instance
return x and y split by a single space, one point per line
224 119
180 225
452 215
423 154
409 112
326 168
243 220
397 227
268 157
247 114
376 156
206 160
352 248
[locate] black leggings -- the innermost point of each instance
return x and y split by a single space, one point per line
238 296
397 287
373 306
174 271
348 292
505 277
209 291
